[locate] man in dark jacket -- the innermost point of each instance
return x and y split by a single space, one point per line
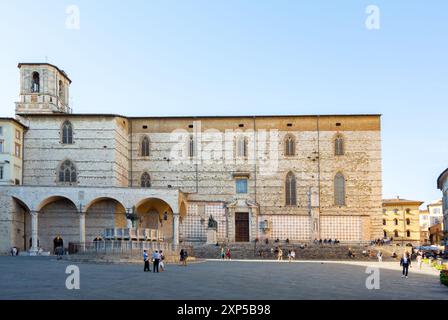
405 262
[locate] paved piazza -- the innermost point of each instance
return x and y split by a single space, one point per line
44 278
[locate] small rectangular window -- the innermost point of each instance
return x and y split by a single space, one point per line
1 146
1 131
1 172
241 185
17 150
17 134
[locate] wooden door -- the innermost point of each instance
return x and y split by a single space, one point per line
241 227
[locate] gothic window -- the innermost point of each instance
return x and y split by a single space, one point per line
396 222
67 172
242 144
144 147
145 180
339 189
339 146
191 147
385 233
35 82
408 233
67 133
290 146
290 189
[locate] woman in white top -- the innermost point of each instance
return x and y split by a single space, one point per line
293 255
419 260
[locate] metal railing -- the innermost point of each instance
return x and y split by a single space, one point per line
127 248
133 234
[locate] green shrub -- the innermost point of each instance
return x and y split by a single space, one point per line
444 277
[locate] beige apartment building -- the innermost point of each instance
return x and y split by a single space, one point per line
401 220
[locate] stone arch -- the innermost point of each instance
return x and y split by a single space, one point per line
103 213
58 216
20 224
35 82
182 211
155 213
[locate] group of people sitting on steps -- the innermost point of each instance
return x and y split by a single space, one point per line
327 241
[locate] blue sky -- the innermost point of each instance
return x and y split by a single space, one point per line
216 57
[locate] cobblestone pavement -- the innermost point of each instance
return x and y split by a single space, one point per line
44 278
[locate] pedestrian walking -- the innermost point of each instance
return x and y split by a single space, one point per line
419 260
280 254
380 256
156 261
405 262
146 261
161 261
228 254
293 255
183 257
223 253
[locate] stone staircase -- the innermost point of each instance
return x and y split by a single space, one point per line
309 252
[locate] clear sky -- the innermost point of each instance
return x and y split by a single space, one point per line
251 57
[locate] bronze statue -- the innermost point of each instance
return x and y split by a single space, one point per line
212 223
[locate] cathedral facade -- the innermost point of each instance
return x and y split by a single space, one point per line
297 177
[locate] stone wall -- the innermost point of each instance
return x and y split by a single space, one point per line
106 152
97 151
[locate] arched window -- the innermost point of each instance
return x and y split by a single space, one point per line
290 189
191 147
396 222
145 180
35 82
61 91
67 172
144 147
339 189
408 233
385 233
384 222
396 233
67 132
408 221
242 143
339 146
290 146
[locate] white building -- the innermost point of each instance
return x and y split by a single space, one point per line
442 184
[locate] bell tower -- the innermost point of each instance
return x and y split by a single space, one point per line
44 88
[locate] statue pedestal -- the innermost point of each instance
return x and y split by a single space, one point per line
212 236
